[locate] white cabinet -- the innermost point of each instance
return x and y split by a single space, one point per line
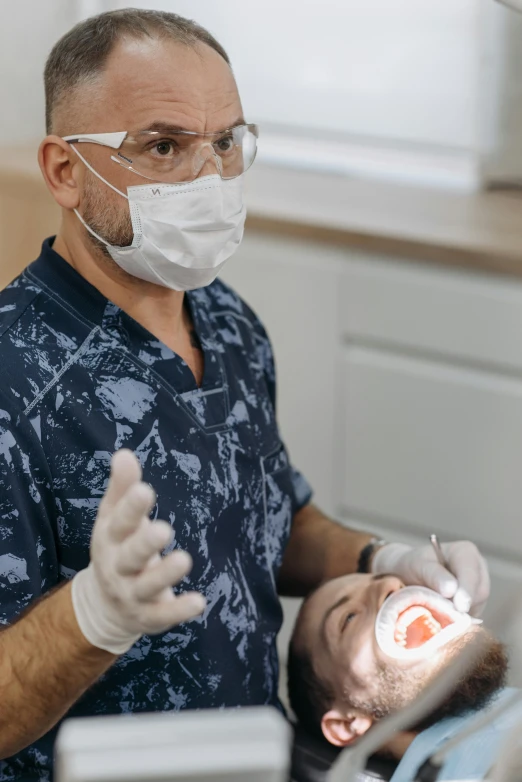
432 448
400 392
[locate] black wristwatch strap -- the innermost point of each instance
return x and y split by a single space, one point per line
366 554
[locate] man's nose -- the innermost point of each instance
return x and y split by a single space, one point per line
206 162
382 587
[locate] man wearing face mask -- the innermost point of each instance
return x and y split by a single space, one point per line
119 336
364 647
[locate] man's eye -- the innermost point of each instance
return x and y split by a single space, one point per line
225 144
348 619
164 148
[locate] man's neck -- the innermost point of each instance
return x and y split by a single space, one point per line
397 746
158 309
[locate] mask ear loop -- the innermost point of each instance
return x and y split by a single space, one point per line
76 212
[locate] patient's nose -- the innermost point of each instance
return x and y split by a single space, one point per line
384 586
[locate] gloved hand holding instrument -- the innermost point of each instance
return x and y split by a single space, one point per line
455 570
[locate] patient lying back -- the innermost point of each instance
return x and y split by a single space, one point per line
341 681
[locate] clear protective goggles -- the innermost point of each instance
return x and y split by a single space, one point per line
175 156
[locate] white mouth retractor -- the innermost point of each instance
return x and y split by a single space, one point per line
413 596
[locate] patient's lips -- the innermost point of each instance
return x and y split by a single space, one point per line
415 622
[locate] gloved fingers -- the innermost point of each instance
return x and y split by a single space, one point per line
163 615
125 471
136 550
126 516
462 600
477 609
433 575
166 573
471 570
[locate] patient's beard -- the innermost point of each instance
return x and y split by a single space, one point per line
398 687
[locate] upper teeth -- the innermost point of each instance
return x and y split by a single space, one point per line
407 605
411 615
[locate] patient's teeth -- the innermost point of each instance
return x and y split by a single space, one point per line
408 618
413 606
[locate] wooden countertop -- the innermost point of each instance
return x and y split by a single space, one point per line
480 230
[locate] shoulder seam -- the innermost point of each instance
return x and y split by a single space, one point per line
58 300
79 353
236 315
21 311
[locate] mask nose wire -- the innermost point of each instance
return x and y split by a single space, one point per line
199 159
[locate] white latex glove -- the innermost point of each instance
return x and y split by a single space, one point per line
126 590
467 584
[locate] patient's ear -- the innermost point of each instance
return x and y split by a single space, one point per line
342 729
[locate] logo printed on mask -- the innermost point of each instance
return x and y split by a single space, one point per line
183 233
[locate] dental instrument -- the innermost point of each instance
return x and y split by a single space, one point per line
438 551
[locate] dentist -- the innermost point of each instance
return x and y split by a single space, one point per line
120 336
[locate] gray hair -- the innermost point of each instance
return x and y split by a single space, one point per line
81 54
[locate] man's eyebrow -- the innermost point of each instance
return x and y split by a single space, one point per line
168 129
342 600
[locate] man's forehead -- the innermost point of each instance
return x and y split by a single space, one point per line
147 80
338 586
329 593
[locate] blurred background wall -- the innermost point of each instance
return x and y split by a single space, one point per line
388 276
404 89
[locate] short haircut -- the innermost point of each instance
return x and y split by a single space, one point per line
80 55
310 697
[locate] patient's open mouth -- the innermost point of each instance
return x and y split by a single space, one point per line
415 622
417 625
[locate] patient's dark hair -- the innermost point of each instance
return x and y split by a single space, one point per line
80 55
310 697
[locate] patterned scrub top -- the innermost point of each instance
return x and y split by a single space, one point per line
80 379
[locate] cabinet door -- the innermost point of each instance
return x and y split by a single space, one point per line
433 447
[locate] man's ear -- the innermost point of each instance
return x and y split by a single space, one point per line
343 729
59 165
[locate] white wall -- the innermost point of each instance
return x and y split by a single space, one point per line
28 31
393 69
414 91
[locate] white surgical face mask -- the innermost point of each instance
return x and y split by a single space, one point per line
183 233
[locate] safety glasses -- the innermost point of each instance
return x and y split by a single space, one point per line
175 156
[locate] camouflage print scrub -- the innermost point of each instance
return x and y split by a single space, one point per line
80 379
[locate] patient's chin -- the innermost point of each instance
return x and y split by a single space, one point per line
482 682
397 687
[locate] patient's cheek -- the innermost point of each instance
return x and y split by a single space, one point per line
364 669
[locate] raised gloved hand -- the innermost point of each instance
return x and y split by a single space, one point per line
126 590
467 584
